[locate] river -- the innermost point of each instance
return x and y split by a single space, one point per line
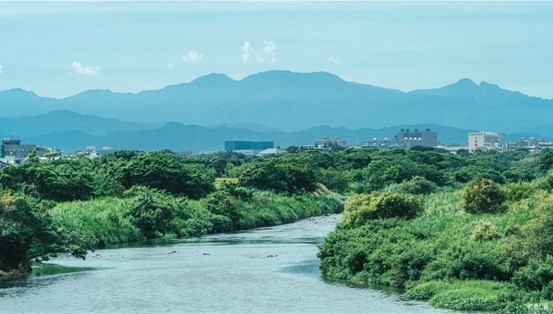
267 270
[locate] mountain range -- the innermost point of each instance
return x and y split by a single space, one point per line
283 106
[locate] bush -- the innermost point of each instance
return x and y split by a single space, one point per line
537 276
363 207
151 211
473 296
485 230
519 191
417 185
483 196
426 290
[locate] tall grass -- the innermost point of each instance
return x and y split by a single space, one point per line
98 222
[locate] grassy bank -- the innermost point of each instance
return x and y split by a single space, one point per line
146 214
485 261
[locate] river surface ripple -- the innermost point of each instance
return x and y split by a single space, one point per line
267 270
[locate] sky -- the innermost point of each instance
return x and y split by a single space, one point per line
58 49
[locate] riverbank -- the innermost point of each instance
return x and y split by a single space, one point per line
449 257
108 221
263 270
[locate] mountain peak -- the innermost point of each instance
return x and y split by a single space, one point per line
212 78
465 82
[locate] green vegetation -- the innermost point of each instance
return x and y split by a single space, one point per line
467 232
77 204
482 240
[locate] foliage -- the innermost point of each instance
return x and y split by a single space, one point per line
483 196
25 233
537 276
519 191
363 207
166 171
498 260
278 176
417 185
151 211
98 222
485 230
546 160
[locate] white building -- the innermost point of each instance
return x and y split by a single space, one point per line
487 141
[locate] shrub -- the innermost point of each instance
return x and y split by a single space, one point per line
363 207
519 191
537 276
417 185
485 230
483 196
426 290
471 297
151 211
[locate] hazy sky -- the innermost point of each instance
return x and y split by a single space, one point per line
58 49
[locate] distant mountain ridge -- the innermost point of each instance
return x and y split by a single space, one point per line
180 137
297 101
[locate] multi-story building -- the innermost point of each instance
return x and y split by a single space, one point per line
426 138
487 141
12 151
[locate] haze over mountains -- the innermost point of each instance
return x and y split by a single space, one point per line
259 105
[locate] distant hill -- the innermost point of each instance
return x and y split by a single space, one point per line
298 101
59 121
178 137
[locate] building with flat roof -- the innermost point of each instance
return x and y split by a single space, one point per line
12 151
487 141
248 147
426 138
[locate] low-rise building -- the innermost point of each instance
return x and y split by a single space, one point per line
248 147
426 138
328 143
487 141
13 152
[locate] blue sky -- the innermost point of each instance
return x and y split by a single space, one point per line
58 49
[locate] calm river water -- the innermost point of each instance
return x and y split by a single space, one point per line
268 270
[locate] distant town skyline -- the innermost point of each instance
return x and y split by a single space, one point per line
59 49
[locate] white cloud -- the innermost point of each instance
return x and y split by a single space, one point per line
1 70
247 50
192 56
266 54
170 66
269 50
78 69
332 59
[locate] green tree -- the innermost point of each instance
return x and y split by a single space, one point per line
26 233
151 212
546 160
278 176
166 171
